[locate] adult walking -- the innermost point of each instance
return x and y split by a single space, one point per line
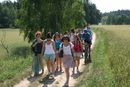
49 51
87 38
77 52
67 59
38 62
57 40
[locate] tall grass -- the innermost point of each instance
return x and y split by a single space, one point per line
13 68
111 59
119 54
100 74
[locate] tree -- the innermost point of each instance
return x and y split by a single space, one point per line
92 14
8 14
49 15
117 17
3 43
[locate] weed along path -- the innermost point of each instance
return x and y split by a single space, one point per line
59 78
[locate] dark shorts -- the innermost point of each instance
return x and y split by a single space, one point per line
89 42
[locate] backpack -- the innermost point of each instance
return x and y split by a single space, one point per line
87 36
61 52
37 49
33 49
77 46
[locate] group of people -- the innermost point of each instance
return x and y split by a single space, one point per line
48 52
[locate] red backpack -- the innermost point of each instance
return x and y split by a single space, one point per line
77 46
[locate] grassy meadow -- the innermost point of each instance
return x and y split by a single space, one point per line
14 66
111 58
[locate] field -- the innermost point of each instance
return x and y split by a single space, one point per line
14 66
111 58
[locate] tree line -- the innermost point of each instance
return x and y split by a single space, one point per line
8 14
116 17
47 15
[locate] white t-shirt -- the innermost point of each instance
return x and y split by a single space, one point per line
49 48
67 49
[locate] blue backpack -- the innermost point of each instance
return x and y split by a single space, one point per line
87 35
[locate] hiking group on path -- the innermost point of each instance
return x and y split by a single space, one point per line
57 50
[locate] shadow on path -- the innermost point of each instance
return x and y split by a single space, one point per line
76 75
46 81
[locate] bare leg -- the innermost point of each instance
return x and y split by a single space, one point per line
67 75
57 62
48 65
60 64
53 67
74 66
78 62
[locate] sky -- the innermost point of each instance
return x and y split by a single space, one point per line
111 5
108 5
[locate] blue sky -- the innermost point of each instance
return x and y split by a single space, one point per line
108 5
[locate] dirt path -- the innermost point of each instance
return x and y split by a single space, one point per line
59 78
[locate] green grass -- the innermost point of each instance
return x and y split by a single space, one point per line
111 58
13 68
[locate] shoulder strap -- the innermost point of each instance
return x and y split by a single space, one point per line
70 46
62 45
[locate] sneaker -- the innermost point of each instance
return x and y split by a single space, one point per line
66 85
41 73
78 72
51 77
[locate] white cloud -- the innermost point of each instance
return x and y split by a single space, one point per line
110 5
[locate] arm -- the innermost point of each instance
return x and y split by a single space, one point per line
81 45
54 46
72 47
43 47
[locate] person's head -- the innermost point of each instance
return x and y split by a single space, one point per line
72 31
38 34
65 39
48 36
85 30
66 32
88 24
49 33
57 35
76 38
